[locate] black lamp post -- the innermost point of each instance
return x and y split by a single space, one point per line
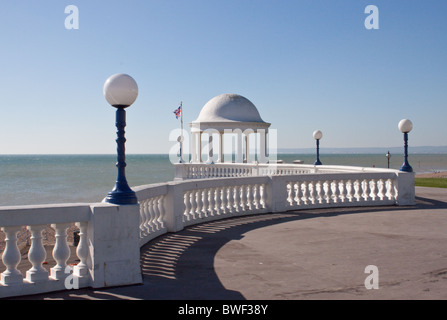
121 90
405 126
317 136
388 156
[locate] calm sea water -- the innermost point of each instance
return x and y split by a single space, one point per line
42 179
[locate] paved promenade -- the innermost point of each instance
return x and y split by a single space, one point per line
310 254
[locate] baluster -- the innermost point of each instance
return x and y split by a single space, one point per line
392 191
366 190
142 220
263 196
380 187
256 196
150 215
11 258
157 212
193 204
223 199
342 189
212 201
244 198
289 200
373 189
249 197
313 192
36 255
230 199
199 204
237 198
205 203
329 198
187 200
218 200
161 211
81 269
348 188
147 216
336 192
61 251
357 189
305 192
296 192
318 187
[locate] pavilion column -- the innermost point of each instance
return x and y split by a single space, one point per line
263 146
210 149
193 147
247 147
239 156
200 148
220 157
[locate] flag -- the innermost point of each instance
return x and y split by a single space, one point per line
178 111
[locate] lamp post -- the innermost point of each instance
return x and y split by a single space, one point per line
180 141
388 156
405 126
120 91
317 136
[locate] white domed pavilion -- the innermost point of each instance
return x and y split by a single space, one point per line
232 114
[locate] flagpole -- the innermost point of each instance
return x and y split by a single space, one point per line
181 116
181 132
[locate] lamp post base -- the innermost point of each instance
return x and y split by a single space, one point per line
406 168
121 197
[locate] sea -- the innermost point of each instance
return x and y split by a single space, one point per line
52 179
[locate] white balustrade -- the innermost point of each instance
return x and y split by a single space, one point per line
169 207
345 190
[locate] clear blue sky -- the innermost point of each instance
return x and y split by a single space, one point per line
305 64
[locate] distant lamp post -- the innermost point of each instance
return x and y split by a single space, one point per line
180 141
405 126
120 91
388 156
317 136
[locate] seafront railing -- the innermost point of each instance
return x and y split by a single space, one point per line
187 171
172 206
111 236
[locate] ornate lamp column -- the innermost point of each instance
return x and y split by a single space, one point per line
405 126
317 136
120 91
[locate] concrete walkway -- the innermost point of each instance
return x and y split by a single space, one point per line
309 254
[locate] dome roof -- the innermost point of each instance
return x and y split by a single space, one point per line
229 108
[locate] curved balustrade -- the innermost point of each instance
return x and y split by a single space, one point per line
187 171
111 235
191 201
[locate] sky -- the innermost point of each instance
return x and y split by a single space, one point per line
305 64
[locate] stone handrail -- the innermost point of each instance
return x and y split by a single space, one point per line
186 171
111 236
